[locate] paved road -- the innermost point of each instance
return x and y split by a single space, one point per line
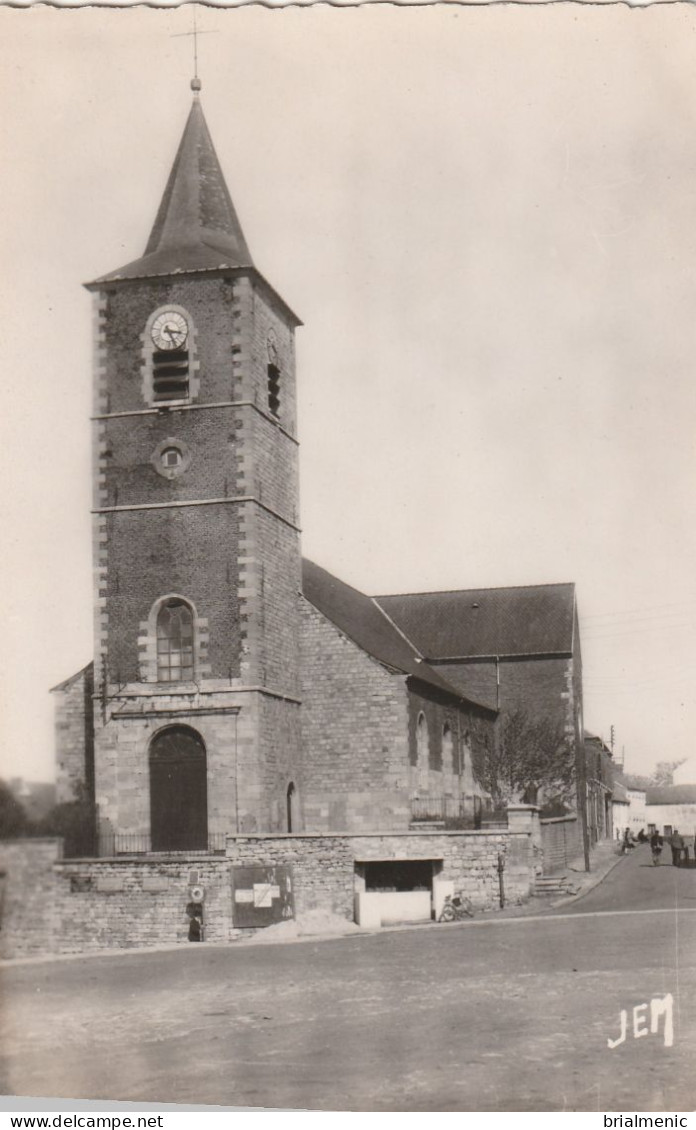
634 884
492 1015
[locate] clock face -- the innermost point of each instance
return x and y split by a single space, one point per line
169 330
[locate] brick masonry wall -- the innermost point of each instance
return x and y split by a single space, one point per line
541 685
77 906
237 561
191 552
354 733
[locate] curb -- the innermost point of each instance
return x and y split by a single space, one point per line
590 886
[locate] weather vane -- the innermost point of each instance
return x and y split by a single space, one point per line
195 81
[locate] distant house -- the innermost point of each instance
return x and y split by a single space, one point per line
629 803
599 778
669 807
620 806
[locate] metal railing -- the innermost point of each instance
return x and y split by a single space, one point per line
126 843
466 812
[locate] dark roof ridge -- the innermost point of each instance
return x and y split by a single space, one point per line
418 652
489 588
382 640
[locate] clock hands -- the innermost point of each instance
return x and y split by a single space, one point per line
169 330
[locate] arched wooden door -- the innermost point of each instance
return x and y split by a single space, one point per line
178 791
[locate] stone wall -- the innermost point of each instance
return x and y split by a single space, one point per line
74 732
72 906
354 734
52 905
442 772
324 867
28 897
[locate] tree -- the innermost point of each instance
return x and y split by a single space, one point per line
531 754
75 821
663 773
14 821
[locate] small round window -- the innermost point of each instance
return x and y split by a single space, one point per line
171 458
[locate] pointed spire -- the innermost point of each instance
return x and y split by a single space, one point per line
196 227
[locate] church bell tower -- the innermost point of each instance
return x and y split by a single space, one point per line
196 538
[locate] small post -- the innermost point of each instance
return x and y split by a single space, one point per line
501 882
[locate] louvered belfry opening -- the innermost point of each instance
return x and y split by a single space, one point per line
170 374
178 791
274 389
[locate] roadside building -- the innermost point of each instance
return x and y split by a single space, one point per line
669 808
599 780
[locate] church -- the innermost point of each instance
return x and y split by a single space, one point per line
236 688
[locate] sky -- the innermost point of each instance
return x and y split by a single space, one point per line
485 219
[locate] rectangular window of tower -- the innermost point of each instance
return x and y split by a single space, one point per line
273 389
170 374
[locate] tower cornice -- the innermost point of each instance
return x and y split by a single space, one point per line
114 281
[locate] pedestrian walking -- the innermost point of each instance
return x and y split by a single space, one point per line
656 847
677 845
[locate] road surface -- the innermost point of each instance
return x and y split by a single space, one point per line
492 1015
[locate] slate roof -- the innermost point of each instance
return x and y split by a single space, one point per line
196 228
530 620
671 794
619 793
360 618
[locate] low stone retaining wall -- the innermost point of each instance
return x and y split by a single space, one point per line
324 867
52 905
27 896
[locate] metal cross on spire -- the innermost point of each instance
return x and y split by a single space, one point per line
195 32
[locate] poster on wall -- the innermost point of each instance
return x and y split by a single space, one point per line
262 895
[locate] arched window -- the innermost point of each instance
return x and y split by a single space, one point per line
175 642
447 756
273 375
422 751
465 754
273 389
178 791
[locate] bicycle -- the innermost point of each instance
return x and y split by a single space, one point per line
456 908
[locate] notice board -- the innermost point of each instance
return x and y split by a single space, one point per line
262 895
